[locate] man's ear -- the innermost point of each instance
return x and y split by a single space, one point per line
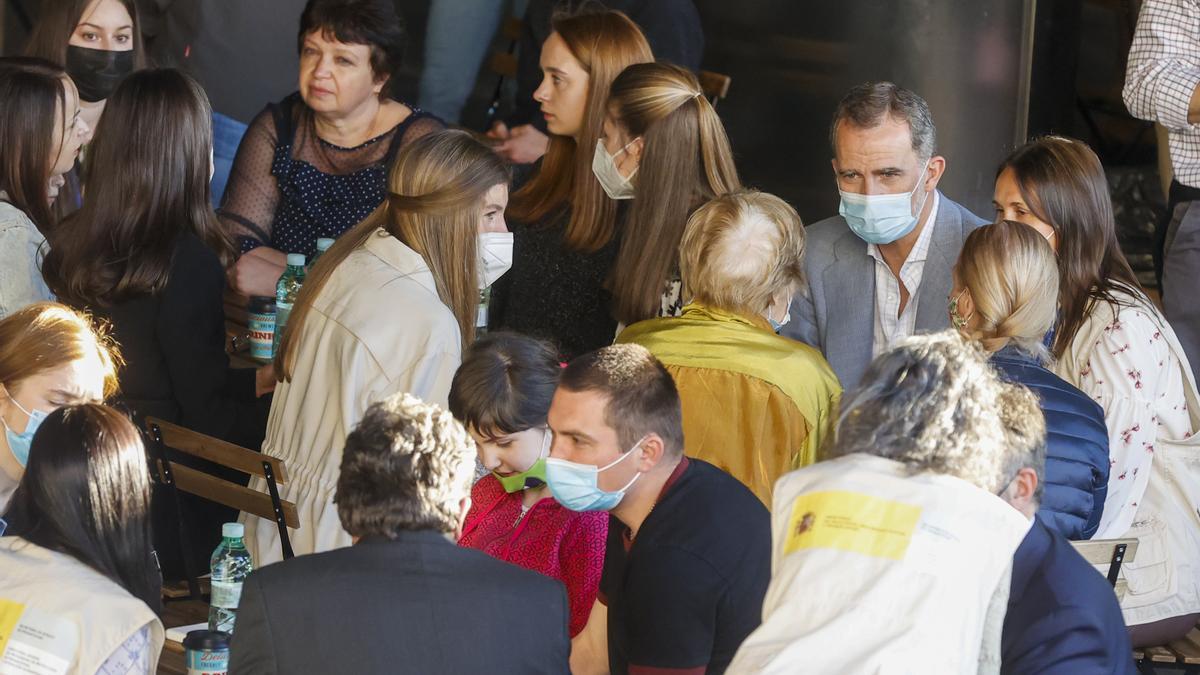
652 453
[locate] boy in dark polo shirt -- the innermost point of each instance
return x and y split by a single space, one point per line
688 556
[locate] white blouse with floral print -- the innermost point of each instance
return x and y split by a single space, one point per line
1131 371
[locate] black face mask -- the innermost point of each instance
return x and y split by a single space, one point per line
97 72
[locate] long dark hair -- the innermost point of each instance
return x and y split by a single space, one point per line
32 92
686 162
86 493
56 22
153 145
505 384
604 43
1063 183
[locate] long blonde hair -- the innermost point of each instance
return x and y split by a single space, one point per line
686 162
1012 275
604 43
435 202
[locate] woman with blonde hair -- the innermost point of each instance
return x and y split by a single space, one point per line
50 356
1114 344
389 308
1006 287
741 260
664 148
565 227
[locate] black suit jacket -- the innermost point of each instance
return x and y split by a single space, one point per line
417 604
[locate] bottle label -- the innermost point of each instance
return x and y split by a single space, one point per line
226 594
262 335
282 311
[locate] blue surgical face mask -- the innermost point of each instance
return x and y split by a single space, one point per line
882 219
19 443
576 486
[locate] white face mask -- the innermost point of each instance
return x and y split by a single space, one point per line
604 166
495 256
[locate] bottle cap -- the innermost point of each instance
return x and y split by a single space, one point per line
323 244
207 640
295 259
233 530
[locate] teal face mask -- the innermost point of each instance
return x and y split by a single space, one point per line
882 219
534 476
19 444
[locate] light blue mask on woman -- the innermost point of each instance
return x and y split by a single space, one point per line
576 486
19 443
881 219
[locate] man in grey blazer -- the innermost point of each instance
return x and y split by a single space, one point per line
404 598
881 269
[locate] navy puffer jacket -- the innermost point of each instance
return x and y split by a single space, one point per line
1076 476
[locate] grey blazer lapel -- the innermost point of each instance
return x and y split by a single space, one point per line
850 295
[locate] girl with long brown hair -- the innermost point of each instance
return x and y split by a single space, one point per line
41 133
665 148
1113 343
389 308
98 42
146 254
565 226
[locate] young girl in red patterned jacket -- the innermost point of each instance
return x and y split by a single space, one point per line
502 393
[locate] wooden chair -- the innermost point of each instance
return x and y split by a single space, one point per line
504 64
1110 552
1180 655
180 478
714 85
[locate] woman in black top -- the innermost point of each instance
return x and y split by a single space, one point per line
146 253
565 232
315 164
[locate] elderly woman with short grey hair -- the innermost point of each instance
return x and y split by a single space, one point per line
741 260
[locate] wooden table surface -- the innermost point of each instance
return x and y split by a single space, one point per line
182 612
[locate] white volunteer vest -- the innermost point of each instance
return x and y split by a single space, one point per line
59 616
876 571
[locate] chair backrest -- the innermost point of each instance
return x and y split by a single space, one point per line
1108 555
714 85
213 488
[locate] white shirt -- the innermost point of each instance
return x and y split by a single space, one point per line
890 324
377 328
1162 73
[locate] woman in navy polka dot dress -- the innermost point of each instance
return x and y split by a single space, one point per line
315 164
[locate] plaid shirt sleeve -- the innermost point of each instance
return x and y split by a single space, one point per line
1164 62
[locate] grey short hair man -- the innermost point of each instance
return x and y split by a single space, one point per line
402 494
881 269
885 525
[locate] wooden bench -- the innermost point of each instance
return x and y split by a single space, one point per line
164 436
1109 554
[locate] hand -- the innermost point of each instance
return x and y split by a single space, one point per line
499 131
525 145
257 272
264 380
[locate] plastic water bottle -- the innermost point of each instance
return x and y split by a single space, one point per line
323 245
285 294
231 565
